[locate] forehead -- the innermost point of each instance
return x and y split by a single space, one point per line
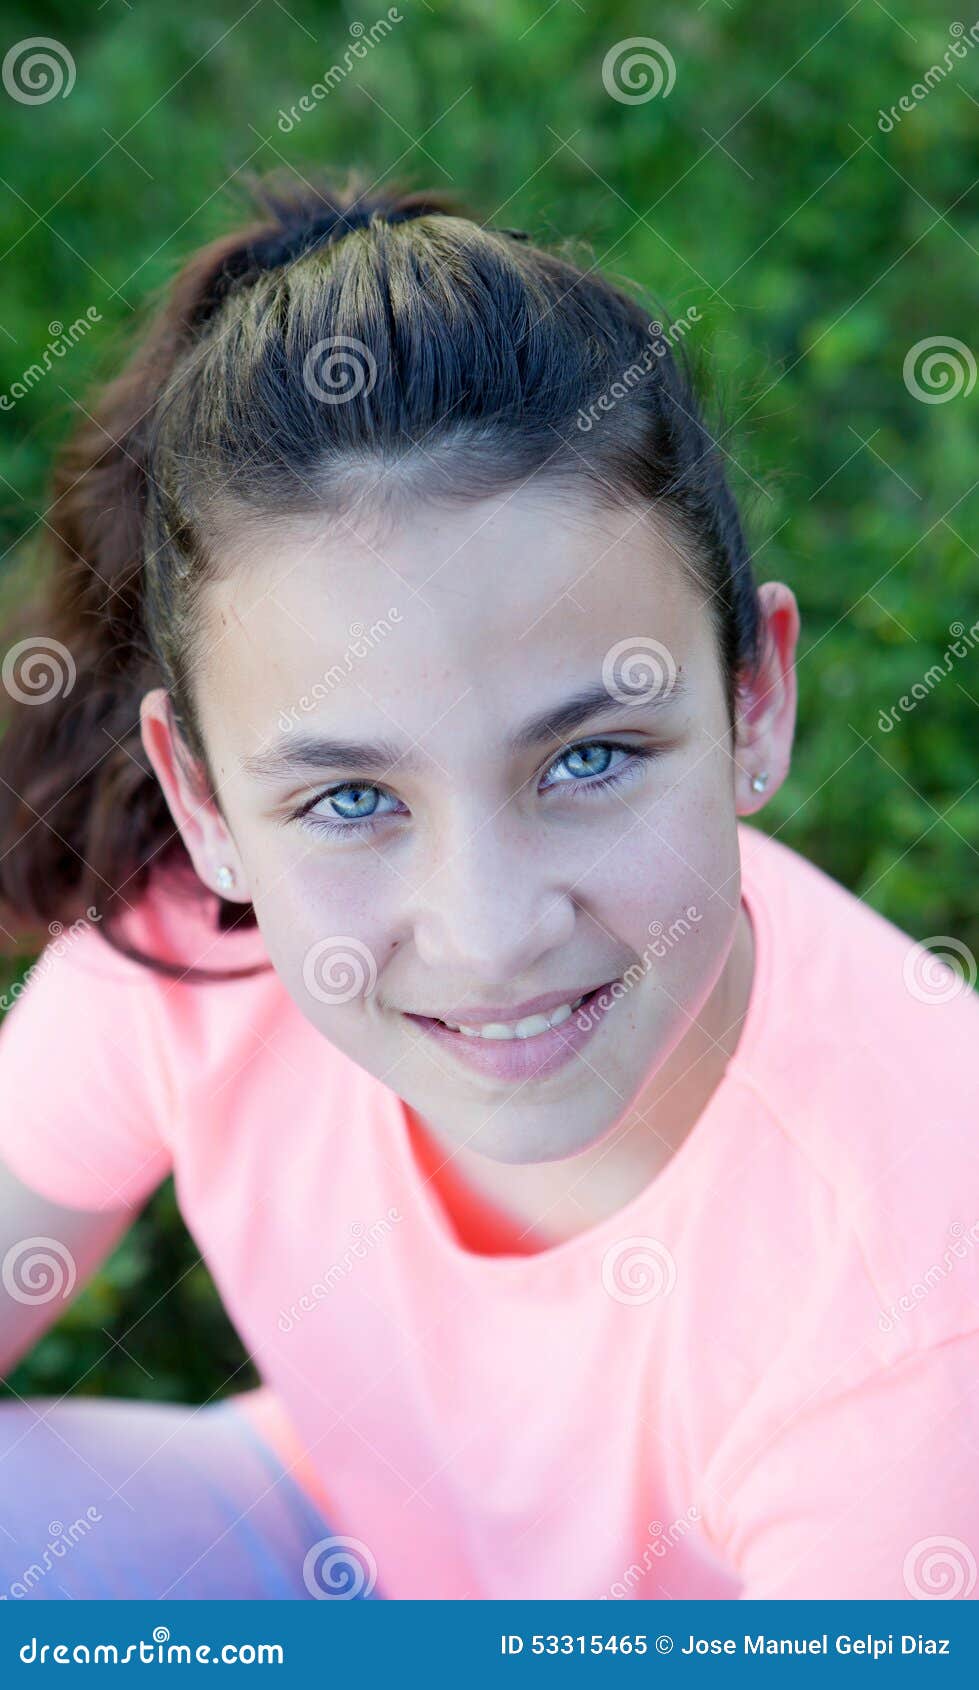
474 611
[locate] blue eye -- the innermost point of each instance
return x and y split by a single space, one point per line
632 767
358 811
583 753
363 808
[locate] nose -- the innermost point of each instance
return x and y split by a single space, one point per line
491 908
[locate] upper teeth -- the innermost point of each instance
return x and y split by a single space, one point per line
525 1029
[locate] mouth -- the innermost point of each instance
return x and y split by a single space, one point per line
520 1050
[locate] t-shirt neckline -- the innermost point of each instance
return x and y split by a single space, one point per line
641 1207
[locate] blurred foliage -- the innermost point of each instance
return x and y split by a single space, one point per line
818 245
149 1324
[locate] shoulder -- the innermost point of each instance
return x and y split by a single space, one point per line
86 992
867 1056
176 921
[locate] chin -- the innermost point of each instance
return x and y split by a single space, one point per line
535 1140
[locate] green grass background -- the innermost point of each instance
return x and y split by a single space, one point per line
817 248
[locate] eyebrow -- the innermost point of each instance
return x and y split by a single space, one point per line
298 752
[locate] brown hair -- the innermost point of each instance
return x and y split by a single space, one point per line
494 353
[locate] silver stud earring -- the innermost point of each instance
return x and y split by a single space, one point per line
225 877
759 782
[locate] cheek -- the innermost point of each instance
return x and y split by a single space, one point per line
326 932
669 888
692 929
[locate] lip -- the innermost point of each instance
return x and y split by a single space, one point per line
516 1060
480 1016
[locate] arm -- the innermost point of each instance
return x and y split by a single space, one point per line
43 1248
86 1098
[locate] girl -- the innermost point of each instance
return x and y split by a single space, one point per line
568 1152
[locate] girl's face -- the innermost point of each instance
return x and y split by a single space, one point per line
430 830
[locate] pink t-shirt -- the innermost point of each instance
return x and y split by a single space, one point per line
760 1377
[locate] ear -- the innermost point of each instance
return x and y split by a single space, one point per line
195 813
767 702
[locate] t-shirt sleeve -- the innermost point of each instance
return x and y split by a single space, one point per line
874 1495
84 1095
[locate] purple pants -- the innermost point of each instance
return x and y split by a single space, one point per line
106 1498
